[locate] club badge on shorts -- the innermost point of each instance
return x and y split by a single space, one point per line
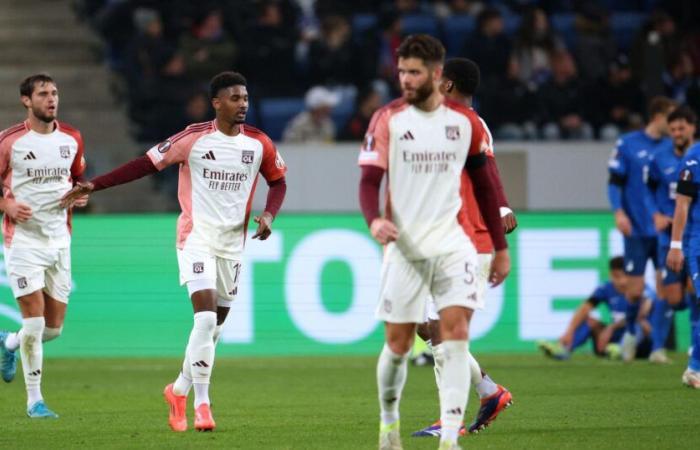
198 267
22 282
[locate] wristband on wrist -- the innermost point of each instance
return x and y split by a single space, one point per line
677 245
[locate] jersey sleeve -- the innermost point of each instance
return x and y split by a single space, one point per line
375 147
272 166
688 178
617 164
77 169
5 154
598 296
174 150
480 142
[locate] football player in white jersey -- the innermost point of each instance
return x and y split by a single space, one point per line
219 165
40 159
423 142
460 80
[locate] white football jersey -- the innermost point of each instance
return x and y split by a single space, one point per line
38 169
218 175
424 154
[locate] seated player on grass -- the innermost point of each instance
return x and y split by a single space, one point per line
606 337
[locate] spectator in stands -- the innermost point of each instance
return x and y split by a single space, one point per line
534 45
446 8
651 52
333 56
678 77
561 101
490 46
621 101
367 102
314 124
378 50
268 53
595 46
208 48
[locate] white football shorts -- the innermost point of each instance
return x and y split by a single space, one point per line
406 285
210 272
34 269
483 269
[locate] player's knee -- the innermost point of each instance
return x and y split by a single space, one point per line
456 330
51 333
205 321
400 345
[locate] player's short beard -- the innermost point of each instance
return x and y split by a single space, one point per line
43 117
423 92
683 146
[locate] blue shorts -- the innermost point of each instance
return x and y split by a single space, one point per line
667 275
692 264
638 250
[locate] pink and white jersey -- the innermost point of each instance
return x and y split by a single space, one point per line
37 169
218 175
424 154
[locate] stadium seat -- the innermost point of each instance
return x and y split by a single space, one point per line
625 27
419 23
361 23
563 24
275 113
511 23
456 29
625 5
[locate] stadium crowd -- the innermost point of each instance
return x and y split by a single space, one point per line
319 68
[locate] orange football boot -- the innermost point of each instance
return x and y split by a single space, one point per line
203 420
177 418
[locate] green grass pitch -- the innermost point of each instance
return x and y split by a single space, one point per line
330 403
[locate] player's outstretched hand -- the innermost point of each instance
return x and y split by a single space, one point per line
675 259
510 223
82 202
72 197
500 267
264 222
383 230
16 211
622 222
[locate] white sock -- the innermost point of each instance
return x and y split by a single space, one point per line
32 352
12 341
200 353
454 390
50 334
391 378
217 333
482 383
183 383
439 358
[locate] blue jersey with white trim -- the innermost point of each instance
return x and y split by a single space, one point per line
630 163
690 172
664 168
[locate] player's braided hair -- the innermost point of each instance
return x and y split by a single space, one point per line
422 46
225 80
464 73
26 88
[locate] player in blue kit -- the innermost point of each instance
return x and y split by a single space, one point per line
628 194
664 168
584 325
685 246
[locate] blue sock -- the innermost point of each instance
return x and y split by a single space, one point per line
631 316
694 361
661 319
581 335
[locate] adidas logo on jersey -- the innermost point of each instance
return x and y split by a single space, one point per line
29 155
209 155
407 136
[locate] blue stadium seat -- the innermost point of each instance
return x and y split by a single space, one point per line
342 113
625 5
625 27
361 23
511 23
456 29
419 23
275 113
563 24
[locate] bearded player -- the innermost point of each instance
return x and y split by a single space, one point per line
423 142
219 165
460 79
40 159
